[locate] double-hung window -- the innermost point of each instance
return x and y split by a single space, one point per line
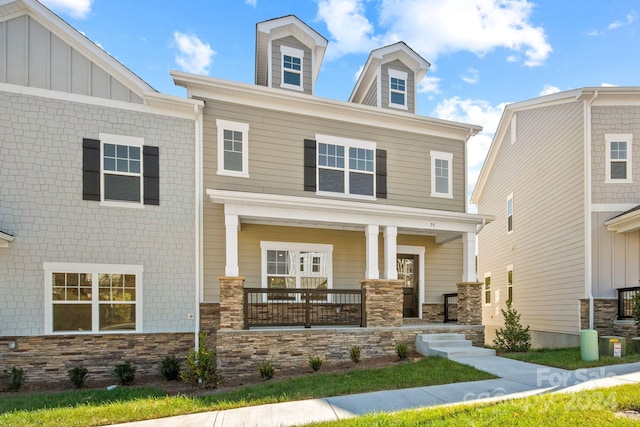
92 298
487 288
441 174
510 213
510 283
233 148
346 166
398 89
292 67
618 161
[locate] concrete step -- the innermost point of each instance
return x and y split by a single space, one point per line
457 352
450 343
441 337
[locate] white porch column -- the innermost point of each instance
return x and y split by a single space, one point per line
390 253
371 233
231 268
469 257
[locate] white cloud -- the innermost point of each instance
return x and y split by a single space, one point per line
548 90
608 85
351 30
472 76
356 76
78 9
194 55
429 84
251 2
617 24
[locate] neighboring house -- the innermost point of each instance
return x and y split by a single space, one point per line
311 193
98 253
562 180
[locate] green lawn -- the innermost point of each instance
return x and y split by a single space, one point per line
568 358
101 407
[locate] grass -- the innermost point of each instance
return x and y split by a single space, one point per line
587 408
101 407
569 358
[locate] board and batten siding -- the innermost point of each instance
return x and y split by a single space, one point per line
384 84
544 169
276 62
31 55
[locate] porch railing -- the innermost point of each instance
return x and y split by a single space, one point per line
303 307
626 301
450 307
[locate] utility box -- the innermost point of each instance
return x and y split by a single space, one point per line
612 346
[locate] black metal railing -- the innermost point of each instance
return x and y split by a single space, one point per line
450 307
626 302
303 307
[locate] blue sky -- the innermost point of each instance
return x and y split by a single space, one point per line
484 53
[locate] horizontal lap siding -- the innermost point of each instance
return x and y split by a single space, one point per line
544 171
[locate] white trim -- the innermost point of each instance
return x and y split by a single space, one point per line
296 247
198 221
131 141
420 251
510 199
469 273
232 226
223 125
401 75
65 267
618 137
390 253
5 239
514 130
439 155
611 207
294 53
372 270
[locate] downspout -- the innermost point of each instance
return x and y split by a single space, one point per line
588 240
198 111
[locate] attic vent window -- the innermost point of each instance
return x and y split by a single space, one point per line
397 89
292 61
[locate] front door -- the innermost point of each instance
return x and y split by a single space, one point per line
408 273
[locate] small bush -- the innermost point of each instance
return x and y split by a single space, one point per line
170 368
126 373
315 363
14 379
267 370
636 311
402 350
201 366
513 337
354 354
78 376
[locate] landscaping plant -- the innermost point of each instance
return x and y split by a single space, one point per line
636 311
513 337
170 368
354 354
402 350
267 370
15 379
315 363
78 376
201 369
126 372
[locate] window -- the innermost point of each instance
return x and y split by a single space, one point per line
510 213
441 174
397 89
353 175
120 171
510 283
487 288
618 162
92 298
233 148
292 60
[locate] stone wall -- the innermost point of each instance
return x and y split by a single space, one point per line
605 315
470 303
46 359
434 312
383 302
231 302
239 352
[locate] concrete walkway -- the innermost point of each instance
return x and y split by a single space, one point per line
517 379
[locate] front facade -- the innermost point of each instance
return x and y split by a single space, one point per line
559 178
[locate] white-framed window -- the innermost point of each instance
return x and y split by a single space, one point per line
292 68
441 174
346 167
510 283
618 162
92 298
398 89
121 170
510 213
233 148
487 288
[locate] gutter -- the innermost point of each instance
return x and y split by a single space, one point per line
588 240
199 196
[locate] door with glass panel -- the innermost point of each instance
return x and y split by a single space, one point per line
408 273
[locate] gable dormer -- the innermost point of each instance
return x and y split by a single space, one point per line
288 54
390 78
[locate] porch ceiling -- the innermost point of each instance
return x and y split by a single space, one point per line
626 222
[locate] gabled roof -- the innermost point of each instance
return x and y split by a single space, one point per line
5 238
377 57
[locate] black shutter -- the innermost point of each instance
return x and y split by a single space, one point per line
151 164
309 165
381 174
90 169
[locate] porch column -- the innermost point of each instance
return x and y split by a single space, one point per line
231 268
469 257
371 233
390 253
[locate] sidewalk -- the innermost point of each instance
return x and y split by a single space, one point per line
517 379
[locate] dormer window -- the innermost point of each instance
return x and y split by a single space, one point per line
397 89
291 68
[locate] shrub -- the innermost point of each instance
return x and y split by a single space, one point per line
14 380
78 376
201 366
126 372
402 350
315 363
636 311
513 337
354 354
267 370
170 368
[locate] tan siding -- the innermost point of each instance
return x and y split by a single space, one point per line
276 62
371 98
544 171
398 65
262 66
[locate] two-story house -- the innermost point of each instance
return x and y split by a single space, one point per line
97 205
562 181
